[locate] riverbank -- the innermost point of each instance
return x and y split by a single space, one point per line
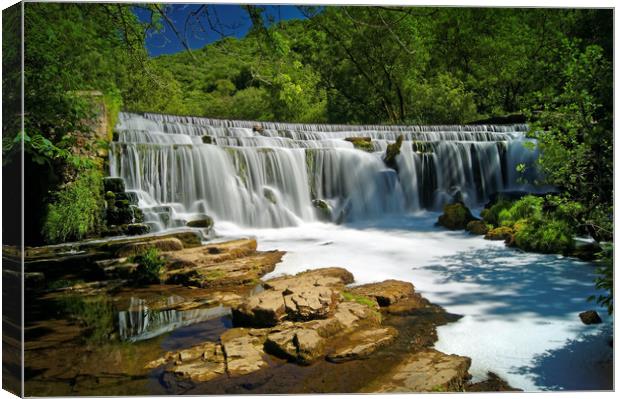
90 332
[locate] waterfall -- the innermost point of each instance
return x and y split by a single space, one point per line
264 174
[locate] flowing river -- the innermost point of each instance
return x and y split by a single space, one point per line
306 190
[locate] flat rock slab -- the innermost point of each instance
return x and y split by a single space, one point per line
425 371
243 349
361 344
333 277
265 309
220 265
387 292
301 345
199 363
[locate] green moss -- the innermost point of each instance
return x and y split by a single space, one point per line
361 299
455 216
499 233
392 151
214 275
113 103
361 143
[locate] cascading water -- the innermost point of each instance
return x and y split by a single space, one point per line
268 174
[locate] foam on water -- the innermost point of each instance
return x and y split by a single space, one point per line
520 309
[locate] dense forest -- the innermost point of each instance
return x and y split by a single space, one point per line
384 65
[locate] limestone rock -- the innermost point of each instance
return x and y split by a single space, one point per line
244 351
386 292
408 305
199 363
163 244
310 302
362 343
296 343
204 223
265 309
425 371
333 277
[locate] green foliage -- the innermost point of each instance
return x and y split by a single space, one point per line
75 211
528 207
605 277
150 267
545 235
491 215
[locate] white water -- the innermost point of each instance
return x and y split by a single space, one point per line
520 310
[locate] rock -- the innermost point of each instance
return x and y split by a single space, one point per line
408 305
243 350
258 128
207 140
350 314
113 184
477 227
493 383
205 223
231 263
386 292
333 277
34 280
422 147
163 244
303 346
590 317
323 210
392 151
137 229
270 194
199 363
130 197
119 216
499 233
455 216
362 343
265 309
425 371
361 143
309 302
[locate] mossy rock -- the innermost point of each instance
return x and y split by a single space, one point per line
500 234
203 223
455 216
110 196
422 147
323 210
392 152
119 216
113 184
121 203
207 140
130 197
477 227
361 143
134 229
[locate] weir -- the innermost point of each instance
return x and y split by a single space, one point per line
263 174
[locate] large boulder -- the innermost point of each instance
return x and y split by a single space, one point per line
455 216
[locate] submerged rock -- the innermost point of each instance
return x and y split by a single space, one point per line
455 216
590 317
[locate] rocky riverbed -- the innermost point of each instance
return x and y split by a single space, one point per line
214 326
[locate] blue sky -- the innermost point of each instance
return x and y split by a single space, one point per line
233 18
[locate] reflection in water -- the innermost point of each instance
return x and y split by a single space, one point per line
139 322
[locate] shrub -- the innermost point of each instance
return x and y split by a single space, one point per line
605 278
150 267
76 209
491 215
528 207
546 236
